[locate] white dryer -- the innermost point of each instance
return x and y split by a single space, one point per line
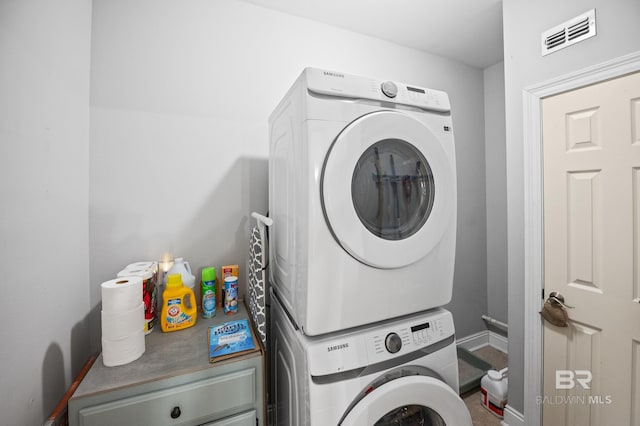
402 372
362 192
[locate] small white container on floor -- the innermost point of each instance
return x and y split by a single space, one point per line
493 387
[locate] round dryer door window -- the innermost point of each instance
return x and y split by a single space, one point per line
392 189
388 189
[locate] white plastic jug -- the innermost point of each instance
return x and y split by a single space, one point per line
493 387
182 267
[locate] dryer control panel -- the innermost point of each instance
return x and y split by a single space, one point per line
333 83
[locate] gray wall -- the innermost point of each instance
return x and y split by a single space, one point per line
44 187
180 95
524 21
496 184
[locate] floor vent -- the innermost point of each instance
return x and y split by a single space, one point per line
571 32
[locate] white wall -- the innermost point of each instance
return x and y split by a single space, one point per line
524 21
496 184
44 186
180 95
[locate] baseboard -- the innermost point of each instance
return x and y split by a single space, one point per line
482 339
474 341
512 417
498 341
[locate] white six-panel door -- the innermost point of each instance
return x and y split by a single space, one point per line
591 151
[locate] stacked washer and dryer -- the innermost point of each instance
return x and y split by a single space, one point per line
362 193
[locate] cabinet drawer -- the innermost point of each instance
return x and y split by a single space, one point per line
244 419
202 400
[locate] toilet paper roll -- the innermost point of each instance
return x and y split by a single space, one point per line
118 325
122 351
121 294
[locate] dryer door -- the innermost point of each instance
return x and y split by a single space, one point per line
410 400
388 189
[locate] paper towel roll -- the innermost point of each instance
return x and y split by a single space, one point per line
118 325
144 273
143 265
122 351
121 294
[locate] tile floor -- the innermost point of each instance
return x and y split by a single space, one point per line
480 415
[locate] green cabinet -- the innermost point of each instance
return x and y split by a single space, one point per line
174 383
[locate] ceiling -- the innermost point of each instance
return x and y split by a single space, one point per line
467 31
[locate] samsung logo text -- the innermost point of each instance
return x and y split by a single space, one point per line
333 74
337 347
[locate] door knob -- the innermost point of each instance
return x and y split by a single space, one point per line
558 299
554 310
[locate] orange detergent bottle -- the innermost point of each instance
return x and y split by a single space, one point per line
179 308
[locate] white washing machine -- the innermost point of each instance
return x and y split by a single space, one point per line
400 372
362 192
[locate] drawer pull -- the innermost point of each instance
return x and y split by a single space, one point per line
175 413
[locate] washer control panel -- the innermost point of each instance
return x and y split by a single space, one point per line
387 342
368 345
430 331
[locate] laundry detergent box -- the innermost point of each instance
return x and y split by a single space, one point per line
230 338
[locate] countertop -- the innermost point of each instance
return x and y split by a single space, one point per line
166 355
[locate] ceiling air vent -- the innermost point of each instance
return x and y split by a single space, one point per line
571 32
